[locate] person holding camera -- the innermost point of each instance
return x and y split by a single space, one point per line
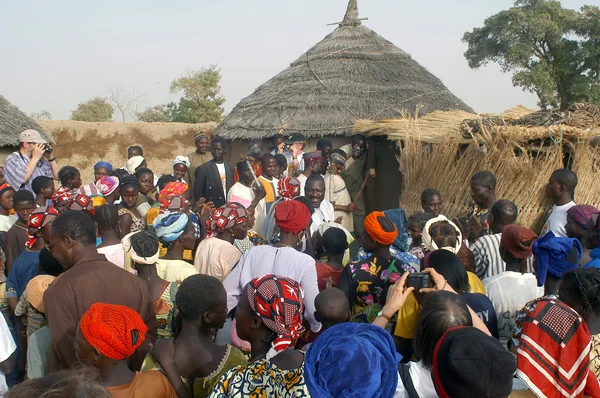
33 159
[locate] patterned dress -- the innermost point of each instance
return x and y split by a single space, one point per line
261 379
164 308
137 224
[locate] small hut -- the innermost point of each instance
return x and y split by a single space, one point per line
351 74
12 123
442 150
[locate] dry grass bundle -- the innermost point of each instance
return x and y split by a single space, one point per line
541 118
448 167
516 113
480 125
586 163
584 116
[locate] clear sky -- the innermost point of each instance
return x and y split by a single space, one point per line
55 54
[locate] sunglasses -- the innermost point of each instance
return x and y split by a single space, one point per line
49 245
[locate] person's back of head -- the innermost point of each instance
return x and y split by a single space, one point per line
443 234
144 243
198 295
120 173
306 202
332 307
164 180
439 312
485 178
580 290
503 212
76 225
450 266
335 242
107 217
324 143
41 182
66 174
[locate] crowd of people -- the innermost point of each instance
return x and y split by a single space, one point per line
268 278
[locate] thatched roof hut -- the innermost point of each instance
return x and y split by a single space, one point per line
13 122
352 74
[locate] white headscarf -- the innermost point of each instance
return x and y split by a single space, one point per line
134 163
430 244
131 256
184 160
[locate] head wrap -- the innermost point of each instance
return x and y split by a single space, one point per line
554 351
196 222
109 327
104 164
551 253
38 219
4 187
132 257
98 201
225 217
181 160
375 231
288 188
170 226
330 367
581 213
62 194
310 156
35 291
133 163
169 192
279 303
469 363
80 202
292 216
430 244
518 241
107 185
398 217
199 136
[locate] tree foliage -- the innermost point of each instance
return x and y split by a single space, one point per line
201 99
94 110
41 115
158 113
552 51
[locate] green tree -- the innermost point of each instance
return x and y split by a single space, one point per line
552 51
94 110
201 99
158 113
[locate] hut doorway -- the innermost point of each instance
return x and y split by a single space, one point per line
385 194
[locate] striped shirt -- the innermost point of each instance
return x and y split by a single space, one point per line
15 170
488 261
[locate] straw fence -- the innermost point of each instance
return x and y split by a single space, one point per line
435 154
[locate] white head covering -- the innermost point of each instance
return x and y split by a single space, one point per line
131 256
184 160
430 244
134 163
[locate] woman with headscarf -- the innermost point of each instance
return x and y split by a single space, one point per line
553 356
141 255
366 282
216 255
173 197
61 199
269 317
101 169
577 217
108 186
177 232
292 218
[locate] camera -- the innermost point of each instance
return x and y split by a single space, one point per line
47 148
418 280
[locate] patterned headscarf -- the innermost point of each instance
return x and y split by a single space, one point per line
80 202
279 303
38 219
288 188
62 194
170 226
107 185
5 186
225 217
581 213
172 190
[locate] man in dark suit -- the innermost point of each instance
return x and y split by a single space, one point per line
215 177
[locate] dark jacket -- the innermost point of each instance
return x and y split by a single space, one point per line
207 183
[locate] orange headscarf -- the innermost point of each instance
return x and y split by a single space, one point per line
109 327
375 231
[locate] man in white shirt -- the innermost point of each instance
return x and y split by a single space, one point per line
214 178
561 189
510 290
324 211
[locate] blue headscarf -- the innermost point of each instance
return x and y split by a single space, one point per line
170 226
104 164
551 253
352 360
398 217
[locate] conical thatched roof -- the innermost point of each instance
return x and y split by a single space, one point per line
352 74
13 122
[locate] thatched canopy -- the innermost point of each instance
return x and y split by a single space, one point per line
352 74
13 122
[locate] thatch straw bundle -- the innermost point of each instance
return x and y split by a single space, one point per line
13 122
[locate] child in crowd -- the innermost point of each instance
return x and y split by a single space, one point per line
107 224
15 238
106 336
331 308
180 167
7 219
43 187
416 223
335 245
70 178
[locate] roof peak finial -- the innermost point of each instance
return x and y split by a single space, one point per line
351 17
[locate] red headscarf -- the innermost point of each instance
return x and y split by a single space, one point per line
279 303
38 219
288 188
80 202
375 231
62 194
518 241
225 217
292 216
171 190
109 327
581 213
